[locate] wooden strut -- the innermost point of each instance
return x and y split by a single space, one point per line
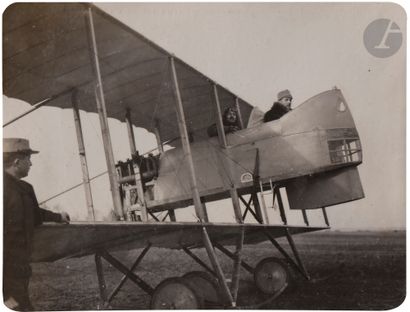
237 265
199 261
286 255
140 192
153 216
238 110
185 144
305 217
231 255
128 273
254 193
130 129
325 216
215 263
236 205
101 280
258 211
125 277
296 253
102 113
235 202
265 215
204 208
199 209
299 265
247 205
236 270
223 143
281 207
83 157
171 214
219 122
248 208
165 217
301 268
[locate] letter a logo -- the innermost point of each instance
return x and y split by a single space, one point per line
382 38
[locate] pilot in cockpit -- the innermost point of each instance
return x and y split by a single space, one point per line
230 122
280 107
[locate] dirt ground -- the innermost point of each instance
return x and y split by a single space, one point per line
349 270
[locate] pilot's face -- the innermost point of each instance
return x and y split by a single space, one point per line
231 116
286 101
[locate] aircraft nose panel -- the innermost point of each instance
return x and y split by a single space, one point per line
327 110
325 189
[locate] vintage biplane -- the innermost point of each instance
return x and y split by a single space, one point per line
75 56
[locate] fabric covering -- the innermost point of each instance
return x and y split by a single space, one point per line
47 52
56 241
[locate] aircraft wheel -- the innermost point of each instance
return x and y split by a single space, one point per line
271 275
206 286
175 294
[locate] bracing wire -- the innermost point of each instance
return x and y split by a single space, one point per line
71 188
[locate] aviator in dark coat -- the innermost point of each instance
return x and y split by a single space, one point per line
21 215
276 112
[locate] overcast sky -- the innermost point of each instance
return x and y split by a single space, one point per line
255 50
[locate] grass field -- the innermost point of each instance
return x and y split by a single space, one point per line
350 270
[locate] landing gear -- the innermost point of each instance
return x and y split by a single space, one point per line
198 289
175 294
271 276
205 285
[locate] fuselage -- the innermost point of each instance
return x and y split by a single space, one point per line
318 136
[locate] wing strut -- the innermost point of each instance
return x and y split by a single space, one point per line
137 174
102 113
199 207
131 135
222 140
219 123
83 158
185 145
235 202
238 109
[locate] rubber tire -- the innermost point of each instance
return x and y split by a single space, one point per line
271 275
206 287
175 293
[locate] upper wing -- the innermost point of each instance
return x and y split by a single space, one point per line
46 51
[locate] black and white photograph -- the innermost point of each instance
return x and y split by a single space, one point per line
204 155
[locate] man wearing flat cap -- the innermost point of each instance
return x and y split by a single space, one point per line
280 107
21 215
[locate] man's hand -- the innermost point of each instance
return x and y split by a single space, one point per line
65 218
233 128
